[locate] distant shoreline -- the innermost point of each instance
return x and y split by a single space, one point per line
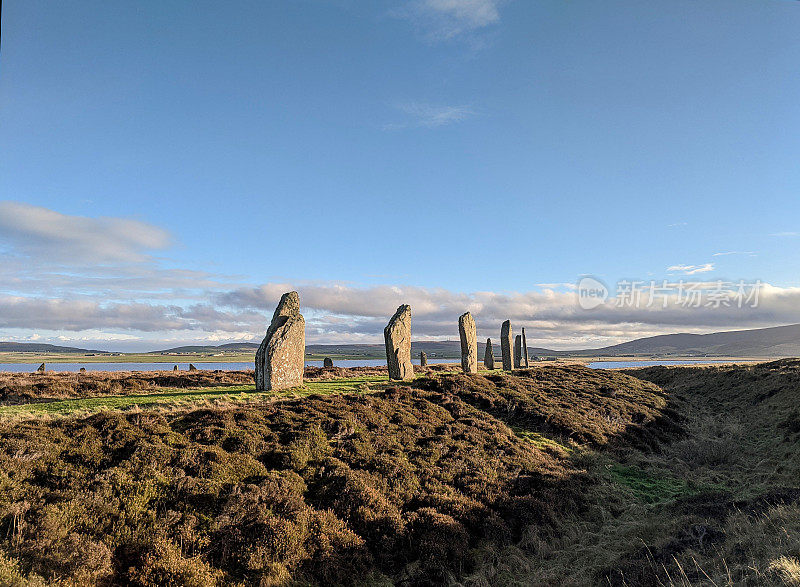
239 357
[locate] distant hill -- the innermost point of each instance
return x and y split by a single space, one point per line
778 341
229 347
35 347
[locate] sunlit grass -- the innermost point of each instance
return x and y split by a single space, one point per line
170 397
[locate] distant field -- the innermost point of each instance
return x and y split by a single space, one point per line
124 358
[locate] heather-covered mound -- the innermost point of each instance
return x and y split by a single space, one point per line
586 405
404 485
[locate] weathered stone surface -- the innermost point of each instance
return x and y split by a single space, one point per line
397 335
505 345
525 360
41 368
327 362
280 358
469 343
517 351
488 355
192 367
423 359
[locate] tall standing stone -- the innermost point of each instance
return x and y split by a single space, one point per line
327 362
397 335
469 343
423 359
280 358
517 351
175 368
525 360
505 345
488 355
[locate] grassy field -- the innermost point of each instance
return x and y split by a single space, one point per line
557 475
171 398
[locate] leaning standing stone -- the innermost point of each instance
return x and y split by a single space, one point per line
327 362
505 345
517 351
280 358
469 343
488 355
423 359
397 335
192 367
525 361
41 368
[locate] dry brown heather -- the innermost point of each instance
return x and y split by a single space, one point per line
21 388
407 486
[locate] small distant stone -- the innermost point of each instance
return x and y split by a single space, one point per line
175 368
41 368
192 367
327 362
82 370
423 359
525 359
488 355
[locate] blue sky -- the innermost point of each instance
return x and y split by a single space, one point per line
456 154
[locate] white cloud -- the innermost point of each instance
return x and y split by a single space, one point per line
429 116
446 19
750 253
692 269
786 234
42 234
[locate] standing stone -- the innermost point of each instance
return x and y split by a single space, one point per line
517 351
423 359
327 362
82 370
280 358
505 345
175 368
525 360
40 369
488 356
192 367
397 335
469 343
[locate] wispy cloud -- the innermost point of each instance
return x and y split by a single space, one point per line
447 19
692 269
675 224
420 114
750 253
38 232
786 234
